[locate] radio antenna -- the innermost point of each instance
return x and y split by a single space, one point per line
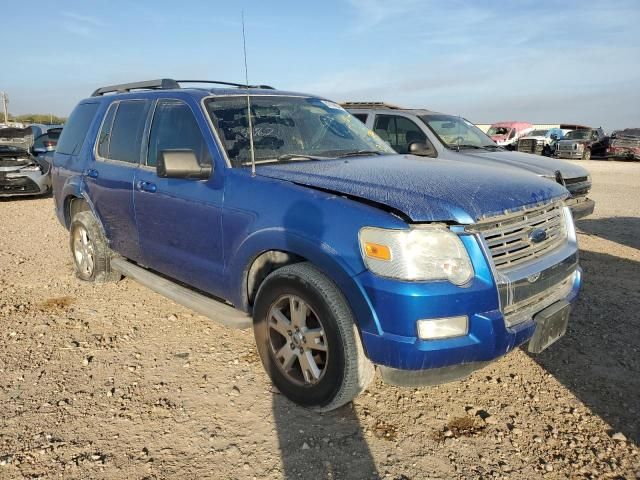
246 81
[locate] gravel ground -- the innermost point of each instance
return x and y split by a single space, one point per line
113 381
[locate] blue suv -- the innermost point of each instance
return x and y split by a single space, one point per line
298 220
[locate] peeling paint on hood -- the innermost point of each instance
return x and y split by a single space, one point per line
425 190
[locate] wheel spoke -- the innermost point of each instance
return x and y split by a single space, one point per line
298 312
84 264
315 339
83 237
286 356
279 322
310 369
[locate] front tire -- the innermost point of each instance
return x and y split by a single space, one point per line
90 250
307 339
586 155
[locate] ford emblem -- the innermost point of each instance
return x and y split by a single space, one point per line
537 235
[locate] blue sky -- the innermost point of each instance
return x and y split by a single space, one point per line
538 61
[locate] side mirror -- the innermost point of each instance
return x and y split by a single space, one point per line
421 149
554 136
181 164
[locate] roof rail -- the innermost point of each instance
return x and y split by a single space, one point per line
371 105
164 84
231 84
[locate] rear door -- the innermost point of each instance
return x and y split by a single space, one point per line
109 176
179 220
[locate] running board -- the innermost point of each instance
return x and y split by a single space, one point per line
215 310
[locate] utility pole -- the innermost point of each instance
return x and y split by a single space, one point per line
5 100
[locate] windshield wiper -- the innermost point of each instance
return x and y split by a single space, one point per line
464 145
356 153
293 157
492 147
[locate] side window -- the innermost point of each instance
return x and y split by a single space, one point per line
361 116
75 130
407 133
105 132
125 137
385 127
512 134
399 132
175 128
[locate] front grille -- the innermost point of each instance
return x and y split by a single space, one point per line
569 181
508 236
568 146
527 146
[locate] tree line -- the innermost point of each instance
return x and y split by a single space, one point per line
44 118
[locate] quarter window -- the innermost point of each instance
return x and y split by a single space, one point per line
175 128
361 116
75 130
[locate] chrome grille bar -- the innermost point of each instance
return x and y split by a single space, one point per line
508 236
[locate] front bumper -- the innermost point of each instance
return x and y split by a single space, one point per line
569 153
405 359
32 183
580 207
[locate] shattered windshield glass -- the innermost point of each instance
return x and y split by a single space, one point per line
498 131
456 132
290 129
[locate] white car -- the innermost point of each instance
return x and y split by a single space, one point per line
20 172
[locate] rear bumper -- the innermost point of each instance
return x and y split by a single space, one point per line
581 207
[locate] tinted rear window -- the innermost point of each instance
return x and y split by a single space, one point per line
75 130
127 131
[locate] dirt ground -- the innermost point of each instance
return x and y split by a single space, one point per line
114 381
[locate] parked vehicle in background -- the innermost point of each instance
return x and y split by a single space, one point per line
583 144
21 173
47 141
454 138
540 142
507 134
624 145
341 253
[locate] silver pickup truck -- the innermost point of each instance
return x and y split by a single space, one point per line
432 134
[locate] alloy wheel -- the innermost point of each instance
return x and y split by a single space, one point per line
297 340
83 251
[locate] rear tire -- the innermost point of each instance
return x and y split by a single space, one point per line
90 251
307 339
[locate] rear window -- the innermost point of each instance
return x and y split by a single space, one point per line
75 130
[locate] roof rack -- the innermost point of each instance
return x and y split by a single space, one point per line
164 84
371 105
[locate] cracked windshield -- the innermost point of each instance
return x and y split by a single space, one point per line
290 129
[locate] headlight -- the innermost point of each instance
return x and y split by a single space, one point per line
420 253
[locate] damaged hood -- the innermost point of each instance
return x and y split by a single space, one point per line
21 138
537 164
425 190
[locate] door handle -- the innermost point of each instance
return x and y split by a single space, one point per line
146 186
93 173
149 187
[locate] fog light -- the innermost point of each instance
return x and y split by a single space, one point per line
437 328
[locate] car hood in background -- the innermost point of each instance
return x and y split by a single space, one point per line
17 137
532 163
423 189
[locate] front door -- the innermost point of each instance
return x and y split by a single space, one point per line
109 175
179 220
